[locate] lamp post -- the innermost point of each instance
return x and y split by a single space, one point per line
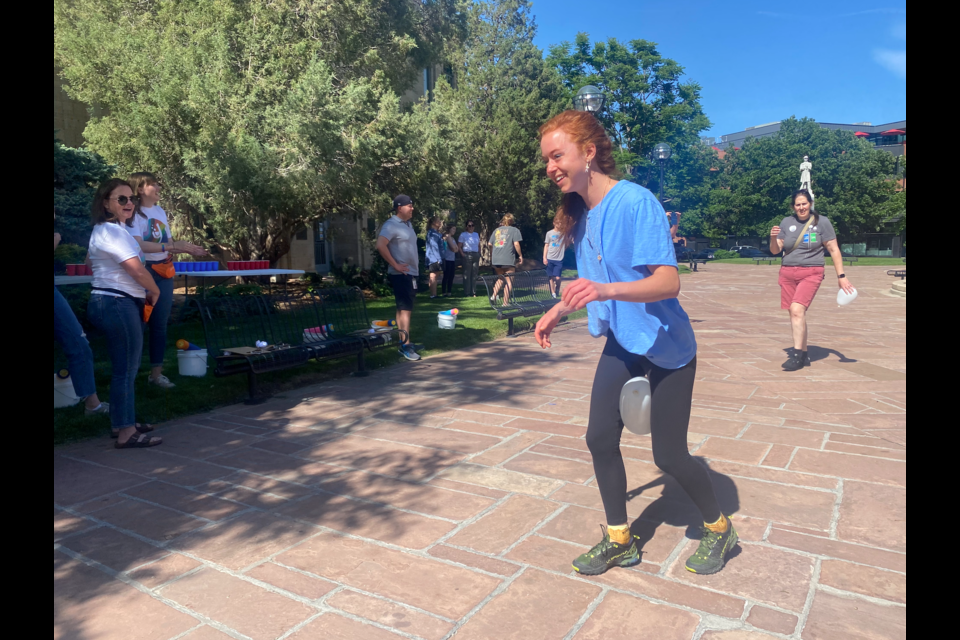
662 152
589 98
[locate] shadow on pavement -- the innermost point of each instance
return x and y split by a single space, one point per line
675 508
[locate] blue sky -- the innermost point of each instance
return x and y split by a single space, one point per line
758 62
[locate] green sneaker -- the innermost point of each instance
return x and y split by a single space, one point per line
713 551
606 555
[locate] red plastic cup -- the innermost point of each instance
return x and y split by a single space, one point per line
87 271
264 264
71 269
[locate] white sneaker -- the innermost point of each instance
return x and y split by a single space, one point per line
161 381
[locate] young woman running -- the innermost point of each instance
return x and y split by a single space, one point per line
629 283
804 235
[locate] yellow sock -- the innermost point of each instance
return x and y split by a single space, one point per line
720 526
620 535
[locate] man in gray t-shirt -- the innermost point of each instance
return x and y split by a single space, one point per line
398 246
811 250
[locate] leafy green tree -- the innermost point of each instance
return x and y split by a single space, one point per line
648 100
260 118
852 181
76 175
502 92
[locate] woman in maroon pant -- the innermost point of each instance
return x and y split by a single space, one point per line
804 237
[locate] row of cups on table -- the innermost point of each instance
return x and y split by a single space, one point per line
79 270
248 265
195 267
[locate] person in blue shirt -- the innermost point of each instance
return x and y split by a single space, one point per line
629 283
435 246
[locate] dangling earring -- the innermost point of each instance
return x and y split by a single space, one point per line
588 166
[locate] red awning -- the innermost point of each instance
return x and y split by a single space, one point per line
861 134
894 132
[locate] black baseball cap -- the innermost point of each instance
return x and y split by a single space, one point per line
401 201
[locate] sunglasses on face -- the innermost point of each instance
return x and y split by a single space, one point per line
124 200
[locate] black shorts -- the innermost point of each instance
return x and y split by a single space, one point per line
403 291
436 267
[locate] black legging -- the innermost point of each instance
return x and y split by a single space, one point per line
449 272
670 420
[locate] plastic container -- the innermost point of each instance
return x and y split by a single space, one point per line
71 269
635 402
63 393
844 298
193 364
447 321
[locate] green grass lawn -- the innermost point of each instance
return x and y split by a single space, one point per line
476 323
861 262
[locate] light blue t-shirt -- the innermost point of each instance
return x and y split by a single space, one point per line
434 246
630 230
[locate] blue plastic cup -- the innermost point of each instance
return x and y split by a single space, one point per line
214 266
190 266
208 266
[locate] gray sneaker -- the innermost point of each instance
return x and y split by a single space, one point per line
102 410
161 381
407 352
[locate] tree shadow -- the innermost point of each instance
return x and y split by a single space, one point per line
674 507
231 486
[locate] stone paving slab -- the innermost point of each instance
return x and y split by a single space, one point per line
446 499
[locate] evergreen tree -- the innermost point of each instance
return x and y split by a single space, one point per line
260 118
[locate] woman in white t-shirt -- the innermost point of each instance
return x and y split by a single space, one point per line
122 293
150 227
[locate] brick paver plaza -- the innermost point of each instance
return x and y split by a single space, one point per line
447 499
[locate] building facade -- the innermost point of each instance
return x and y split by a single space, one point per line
891 137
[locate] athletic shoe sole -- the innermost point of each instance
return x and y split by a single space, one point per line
587 572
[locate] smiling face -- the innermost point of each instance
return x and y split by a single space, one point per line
405 212
801 207
566 164
120 203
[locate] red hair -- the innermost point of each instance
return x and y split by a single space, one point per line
584 129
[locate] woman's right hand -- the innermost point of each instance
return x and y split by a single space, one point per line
153 296
545 327
775 232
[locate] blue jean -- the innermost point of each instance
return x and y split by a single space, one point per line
68 332
120 320
159 319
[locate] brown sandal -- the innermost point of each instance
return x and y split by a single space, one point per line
141 428
139 441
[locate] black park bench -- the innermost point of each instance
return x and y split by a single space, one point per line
769 260
234 325
695 263
521 294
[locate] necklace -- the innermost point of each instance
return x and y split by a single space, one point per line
598 247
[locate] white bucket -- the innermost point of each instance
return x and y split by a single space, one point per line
447 322
193 363
63 393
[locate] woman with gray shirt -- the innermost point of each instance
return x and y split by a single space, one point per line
804 237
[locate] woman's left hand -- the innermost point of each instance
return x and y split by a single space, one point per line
846 285
582 292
